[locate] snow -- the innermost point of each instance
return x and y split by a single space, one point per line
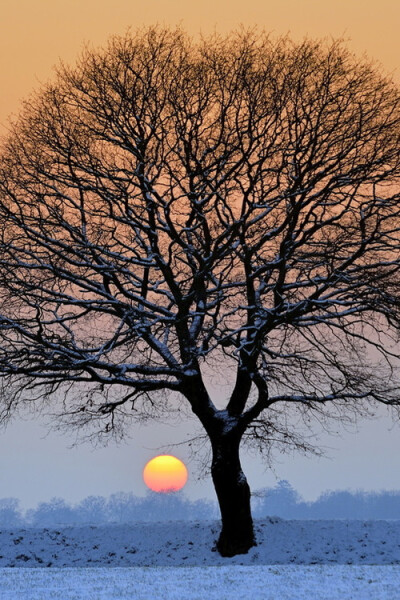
203 583
186 543
293 559
228 422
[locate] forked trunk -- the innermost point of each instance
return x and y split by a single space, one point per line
233 493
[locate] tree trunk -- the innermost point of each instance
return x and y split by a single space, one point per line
233 493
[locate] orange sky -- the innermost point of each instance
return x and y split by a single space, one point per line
34 34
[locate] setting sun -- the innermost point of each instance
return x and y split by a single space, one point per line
165 474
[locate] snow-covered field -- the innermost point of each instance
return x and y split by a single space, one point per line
183 544
281 582
294 559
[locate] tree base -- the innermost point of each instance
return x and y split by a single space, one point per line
229 545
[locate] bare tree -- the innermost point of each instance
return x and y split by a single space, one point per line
170 205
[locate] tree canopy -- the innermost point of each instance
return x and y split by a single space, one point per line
168 205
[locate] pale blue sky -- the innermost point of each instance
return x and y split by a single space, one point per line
36 465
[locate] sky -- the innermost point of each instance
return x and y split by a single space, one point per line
36 465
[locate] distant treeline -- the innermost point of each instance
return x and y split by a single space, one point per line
281 501
118 508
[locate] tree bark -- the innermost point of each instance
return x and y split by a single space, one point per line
233 493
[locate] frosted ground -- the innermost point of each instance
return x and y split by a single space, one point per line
283 582
358 560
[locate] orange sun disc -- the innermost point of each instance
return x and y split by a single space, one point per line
165 474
